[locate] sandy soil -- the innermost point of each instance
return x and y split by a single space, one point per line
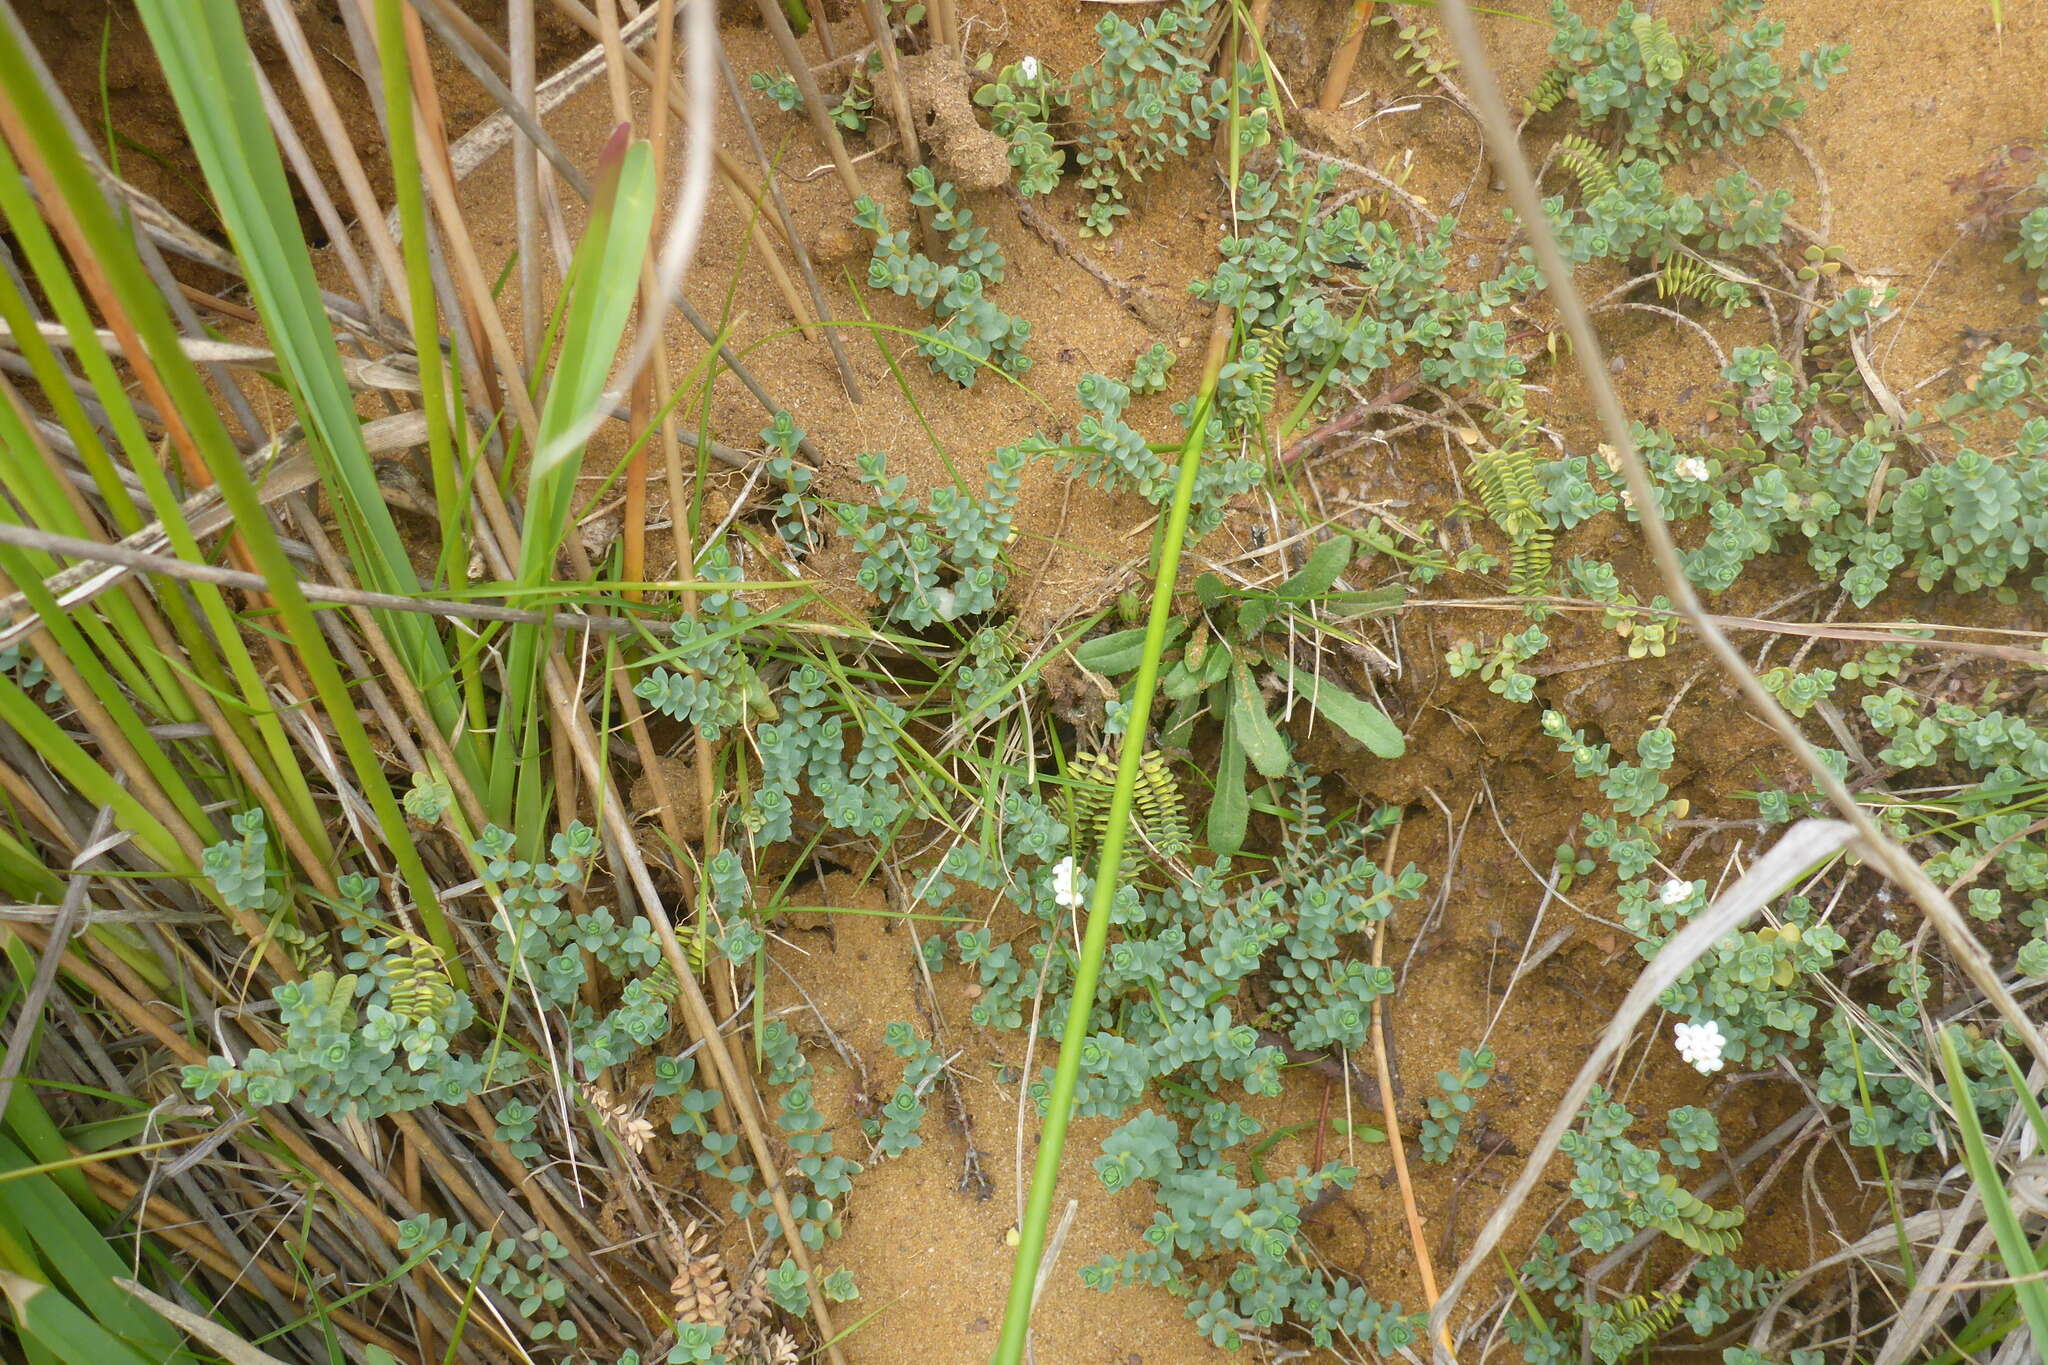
1930 93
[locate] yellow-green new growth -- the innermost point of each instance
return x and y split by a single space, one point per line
1513 499
1698 1224
1159 814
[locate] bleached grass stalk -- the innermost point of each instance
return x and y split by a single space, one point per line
1885 853
945 23
1803 845
520 38
1425 1266
797 249
206 1331
172 567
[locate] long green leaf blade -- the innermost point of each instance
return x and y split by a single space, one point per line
1346 710
59 1327
2013 1247
1230 808
1319 574
1263 743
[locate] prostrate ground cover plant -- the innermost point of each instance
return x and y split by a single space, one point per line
374 994
971 329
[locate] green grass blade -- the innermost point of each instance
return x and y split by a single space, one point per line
2035 1118
2013 1247
1052 1139
57 1325
213 647
226 1344
84 773
603 278
77 1256
66 636
1884 1173
207 63
205 58
198 426
451 488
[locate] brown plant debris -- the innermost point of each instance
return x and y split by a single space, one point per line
971 156
629 1128
700 1289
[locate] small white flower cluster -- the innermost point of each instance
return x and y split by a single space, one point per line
1701 1045
1066 885
1028 69
1694 468
1677 891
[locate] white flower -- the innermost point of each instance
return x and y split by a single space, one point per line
1701 1045
1028 69
1677 891
1694 468
1066 885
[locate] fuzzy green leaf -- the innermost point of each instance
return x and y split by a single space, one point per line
1319 574
1231 808
1350 713
1263 743
1116 652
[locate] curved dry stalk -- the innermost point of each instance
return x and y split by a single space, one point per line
341 150
1927 1303
173 1225
70 919
683 106
485 140
206 1331
1892 859
210 351
1425 1267
679 499
294 148
519 38
474 49
686 225
1803 845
